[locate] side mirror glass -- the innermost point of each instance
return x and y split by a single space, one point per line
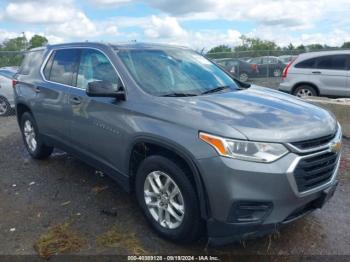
105 89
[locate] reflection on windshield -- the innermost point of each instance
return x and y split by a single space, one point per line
174 72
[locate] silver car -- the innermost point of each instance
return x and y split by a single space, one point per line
6 91
323 73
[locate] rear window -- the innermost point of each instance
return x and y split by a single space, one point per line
308 63
7 73
62 66
333 62
32 60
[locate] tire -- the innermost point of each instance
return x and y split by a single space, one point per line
5 107
190 226
305 90
29 129
243 77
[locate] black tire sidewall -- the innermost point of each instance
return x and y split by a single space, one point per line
191 221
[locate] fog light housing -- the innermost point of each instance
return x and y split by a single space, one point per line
249 211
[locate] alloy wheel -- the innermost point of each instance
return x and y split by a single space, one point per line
29 135
243 77
3 107
303 92
164 200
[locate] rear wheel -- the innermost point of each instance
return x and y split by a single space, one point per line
31 137
168 199
243 77
5 107
305 91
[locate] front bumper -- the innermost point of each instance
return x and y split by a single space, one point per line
230 181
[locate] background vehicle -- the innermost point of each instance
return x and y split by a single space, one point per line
6 91
238 68
287 58
318 74
174 128
268 65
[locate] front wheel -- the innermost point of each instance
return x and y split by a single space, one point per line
31 137
168 199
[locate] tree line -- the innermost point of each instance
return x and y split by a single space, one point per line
258 47
11 50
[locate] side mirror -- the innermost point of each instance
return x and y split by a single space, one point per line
105 89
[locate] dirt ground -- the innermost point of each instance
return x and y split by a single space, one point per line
35 196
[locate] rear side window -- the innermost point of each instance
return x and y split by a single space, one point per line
332 62
308 63
31 61
62 66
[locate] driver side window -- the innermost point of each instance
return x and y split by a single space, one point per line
95 66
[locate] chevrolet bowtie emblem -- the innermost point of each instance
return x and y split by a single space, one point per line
335 146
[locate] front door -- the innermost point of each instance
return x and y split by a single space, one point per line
96 126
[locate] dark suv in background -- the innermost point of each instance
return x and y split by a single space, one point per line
203 153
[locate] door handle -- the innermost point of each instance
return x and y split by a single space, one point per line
316 72
75 100
37 89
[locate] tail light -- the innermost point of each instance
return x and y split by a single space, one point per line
285 70
14 83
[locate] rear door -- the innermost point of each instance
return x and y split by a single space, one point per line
331 71
59 73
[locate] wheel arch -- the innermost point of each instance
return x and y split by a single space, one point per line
21 108
171 150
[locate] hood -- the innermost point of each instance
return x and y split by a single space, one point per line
258 113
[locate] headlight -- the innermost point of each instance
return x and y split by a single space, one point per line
245 150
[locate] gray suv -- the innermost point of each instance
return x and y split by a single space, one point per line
324 73
204 153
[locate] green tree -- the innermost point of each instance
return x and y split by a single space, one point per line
37 41
314 47
15 44
221 51
11 55
256 47
346 45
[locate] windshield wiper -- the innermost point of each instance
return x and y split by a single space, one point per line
179 94
216 89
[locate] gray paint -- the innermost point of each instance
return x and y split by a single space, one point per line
105 129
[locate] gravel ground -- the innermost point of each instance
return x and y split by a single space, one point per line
37 195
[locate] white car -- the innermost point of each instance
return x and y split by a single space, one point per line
7 104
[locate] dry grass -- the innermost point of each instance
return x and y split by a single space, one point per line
116 238
59 239
99 189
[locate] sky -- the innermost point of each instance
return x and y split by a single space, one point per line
194 23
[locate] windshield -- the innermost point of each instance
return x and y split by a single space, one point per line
175 71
